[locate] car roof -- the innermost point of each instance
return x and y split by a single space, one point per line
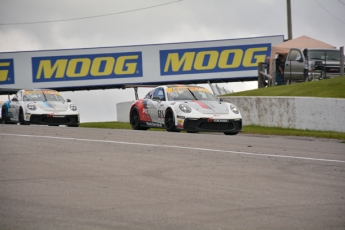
329 49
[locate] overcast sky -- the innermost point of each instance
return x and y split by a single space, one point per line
66 24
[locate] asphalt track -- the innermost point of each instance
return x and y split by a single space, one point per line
80 178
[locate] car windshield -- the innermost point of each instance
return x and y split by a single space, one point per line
328 55
179 93
42 95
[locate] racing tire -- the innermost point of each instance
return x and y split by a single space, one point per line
21 119
230 133
4 118
134 119
169 121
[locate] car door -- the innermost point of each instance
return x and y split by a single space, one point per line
13 109
158 103
294 65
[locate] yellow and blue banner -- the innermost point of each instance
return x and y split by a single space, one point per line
6 71
87 67
213 59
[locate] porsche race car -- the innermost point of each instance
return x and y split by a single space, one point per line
183 107
39 106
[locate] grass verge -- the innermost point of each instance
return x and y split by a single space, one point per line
329 88
250 129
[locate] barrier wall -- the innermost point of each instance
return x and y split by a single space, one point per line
323 114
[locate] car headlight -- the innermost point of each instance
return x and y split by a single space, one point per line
234 109
73 107
31 106
185 108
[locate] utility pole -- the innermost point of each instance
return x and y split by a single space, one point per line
289 24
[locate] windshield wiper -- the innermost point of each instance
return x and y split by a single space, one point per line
192 94
44 96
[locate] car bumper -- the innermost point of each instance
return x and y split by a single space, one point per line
213 125
46 119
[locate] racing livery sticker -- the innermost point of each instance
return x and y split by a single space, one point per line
179 123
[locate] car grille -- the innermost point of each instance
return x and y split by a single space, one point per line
204 125
46 120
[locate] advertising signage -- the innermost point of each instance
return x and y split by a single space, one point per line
111 67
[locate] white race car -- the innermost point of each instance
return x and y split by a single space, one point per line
40 106
183 107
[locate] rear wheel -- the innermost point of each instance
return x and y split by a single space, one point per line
4 118
169 121
135 119
229 133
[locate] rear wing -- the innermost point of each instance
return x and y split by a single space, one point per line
8 92
135 87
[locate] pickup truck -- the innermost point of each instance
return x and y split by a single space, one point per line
311 64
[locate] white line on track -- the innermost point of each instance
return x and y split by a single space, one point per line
177 147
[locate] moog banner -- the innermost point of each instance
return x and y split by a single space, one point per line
220 60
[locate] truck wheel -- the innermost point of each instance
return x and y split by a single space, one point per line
306 77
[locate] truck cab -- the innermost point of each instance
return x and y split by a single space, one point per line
311 64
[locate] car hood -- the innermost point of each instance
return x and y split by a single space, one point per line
52 106
209 107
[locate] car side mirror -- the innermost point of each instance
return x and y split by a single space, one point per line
69 100
300 60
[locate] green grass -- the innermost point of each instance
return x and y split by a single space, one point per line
250 129
253 129
330 88
107 125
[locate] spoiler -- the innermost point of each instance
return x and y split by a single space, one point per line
135 87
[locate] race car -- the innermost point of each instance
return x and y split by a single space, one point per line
39 106
185 107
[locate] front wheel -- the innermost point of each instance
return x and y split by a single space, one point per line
21 117
169 121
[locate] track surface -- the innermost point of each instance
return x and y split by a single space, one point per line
80 178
